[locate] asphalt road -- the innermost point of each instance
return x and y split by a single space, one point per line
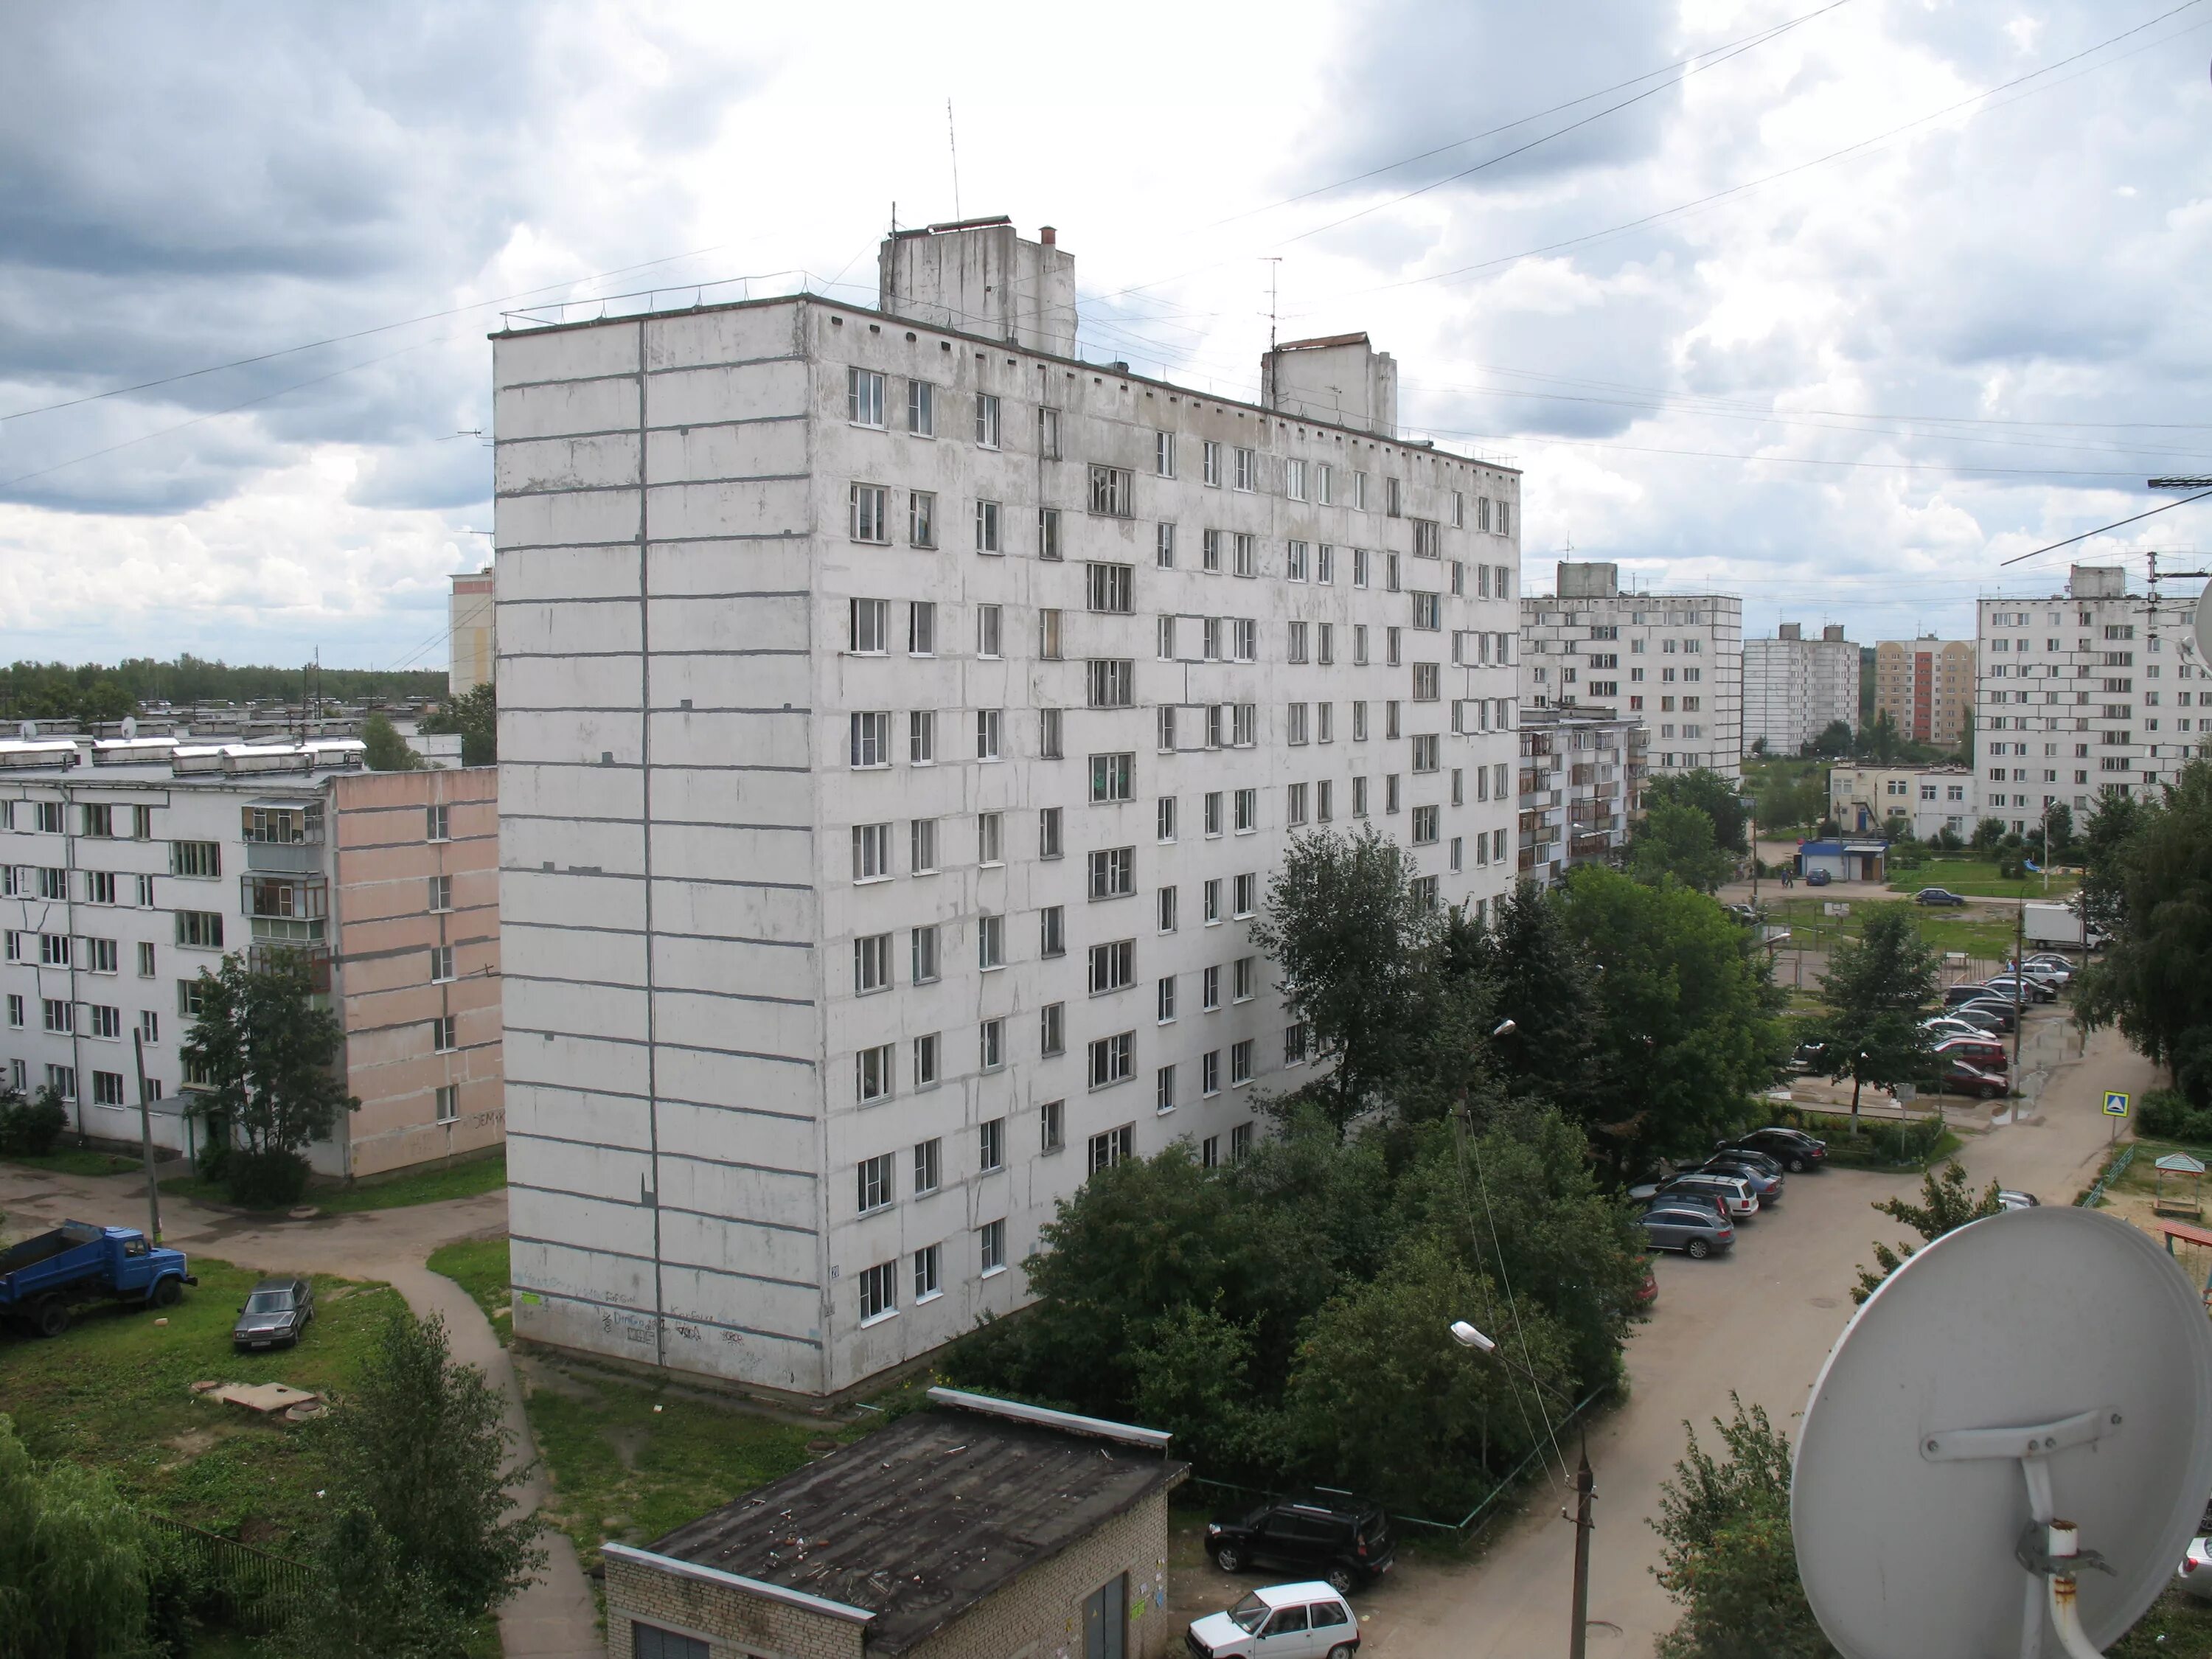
1758 1321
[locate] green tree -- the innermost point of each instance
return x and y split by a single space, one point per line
1879 739
2106 837
29 1128
386 751
266 1054
1727 1557
1542 981
1688 1002
1878 988
73 1561
1350 938
1987 835
474 716
1677 842
1945 1203
1380 1386
1834 742
420 1447
365 1602
1718 798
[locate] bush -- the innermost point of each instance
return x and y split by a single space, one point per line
28 1128
2167 1115
269 1180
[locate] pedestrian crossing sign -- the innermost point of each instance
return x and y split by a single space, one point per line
2116 1104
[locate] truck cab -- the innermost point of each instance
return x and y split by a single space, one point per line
44 1279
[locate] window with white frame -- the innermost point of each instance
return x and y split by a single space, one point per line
868 632
1113 966
871 732
1111 492
921 409
991 1045
986 420
1163 454
987 724
878 1293
1112 1058
1112 777
990 1248
872 1074
872 964
924 964
987 528
864 397
1163 547
869 508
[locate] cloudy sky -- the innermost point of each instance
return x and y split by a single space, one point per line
1833 305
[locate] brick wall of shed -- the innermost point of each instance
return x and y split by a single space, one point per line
1040 1614
737 1625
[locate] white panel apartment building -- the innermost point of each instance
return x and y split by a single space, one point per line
2082 692
901 721
1794 689
1673 660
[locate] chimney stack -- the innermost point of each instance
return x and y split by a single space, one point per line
1046 236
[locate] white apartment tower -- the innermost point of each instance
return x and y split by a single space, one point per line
1674 661
903 720
1794 689
2090 690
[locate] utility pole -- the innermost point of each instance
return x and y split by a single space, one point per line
146 1139
1585 1491
2019 980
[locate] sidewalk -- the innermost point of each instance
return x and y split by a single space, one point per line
553 1617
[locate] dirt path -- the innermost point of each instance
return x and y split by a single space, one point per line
553 1617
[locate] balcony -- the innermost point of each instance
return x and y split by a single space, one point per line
284 859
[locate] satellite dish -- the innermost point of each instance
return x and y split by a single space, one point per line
2038 1365
2202 628
129 725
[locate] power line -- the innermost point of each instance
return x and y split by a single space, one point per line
2101 529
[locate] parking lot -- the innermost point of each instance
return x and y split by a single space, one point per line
1758 1321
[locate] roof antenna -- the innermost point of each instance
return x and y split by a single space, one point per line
1275 270
952 142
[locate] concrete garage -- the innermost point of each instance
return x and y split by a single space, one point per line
981 1528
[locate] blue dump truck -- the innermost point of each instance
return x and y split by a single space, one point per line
42 1279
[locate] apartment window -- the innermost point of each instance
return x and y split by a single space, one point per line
1210 555
1296 648
203 859
1111 1059
878 1293
921 409
1163 454
107 1089
927 1160
105 1022
1112 777
100 956
1051 1122
1248 469
872 964
1163 547
925 1053
58 1014
989 629
991 1044
869 507
1047 433
1296 1040
1048 542
990 838
1295 812
922 846
442 1034
1456 853
1114 872
1360 645
864 397
442 964
1248 810
868 632
190 995
1247 550
991 1144
49 818
1428 539
1390 571
1110 587
1240 1139
200 930
142 824
1425 825
1049 819
1112 683
54 883
1295 728
441 893
986 420
1048 635
1113 967
987 528
1164 815
145 960
872 851
1167 909
1427 753
150 1029
1052 1030
1391 502
988 722
926 1276
1390 718
990 942
924 944
53 950
1246 978
1390 646
1391 792
1295 562
1212 892
1210 462
920 518
991 1247
1324 800
1359 722
1240 1063
100 821
1359 798
1247 895
1052 931
870 739
1244 725
1110 491
62 1079
1428 611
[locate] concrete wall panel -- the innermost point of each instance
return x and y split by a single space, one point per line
756 970
599 1171
714 852
553 952
792 1310
559 410
780 1143
726 912
697 397
767 1085
770 507
737 1246
721 1189
524 521
566 1114
562 355
532 895
567 573
538 788
590 1224
567 844
592 629
722 337
607 737
708 739
720 797
572 1012
602 461
706 568
685 623
724 1023
758 449
571 682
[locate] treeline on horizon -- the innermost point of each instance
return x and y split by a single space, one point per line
99 691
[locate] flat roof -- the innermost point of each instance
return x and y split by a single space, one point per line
922 1520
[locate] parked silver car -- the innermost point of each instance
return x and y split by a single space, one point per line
1696 1229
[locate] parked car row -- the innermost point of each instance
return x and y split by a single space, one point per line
1696 1209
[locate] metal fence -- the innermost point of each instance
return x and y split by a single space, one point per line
2111 1173
252 1590
1476 1518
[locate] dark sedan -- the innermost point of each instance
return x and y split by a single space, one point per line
1765 1186
275 1314
1938 896
1796 1150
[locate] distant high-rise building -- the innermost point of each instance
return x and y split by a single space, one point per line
1927 686
1794 689
471 632
1674 661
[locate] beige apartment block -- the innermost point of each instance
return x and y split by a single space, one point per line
1927 686
472 631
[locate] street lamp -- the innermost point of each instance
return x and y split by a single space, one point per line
1585 1483
1504 1028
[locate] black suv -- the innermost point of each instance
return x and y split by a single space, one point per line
1344 1539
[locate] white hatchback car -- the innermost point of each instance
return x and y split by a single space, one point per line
1282 1621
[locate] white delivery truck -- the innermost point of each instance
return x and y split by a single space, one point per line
2058 924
